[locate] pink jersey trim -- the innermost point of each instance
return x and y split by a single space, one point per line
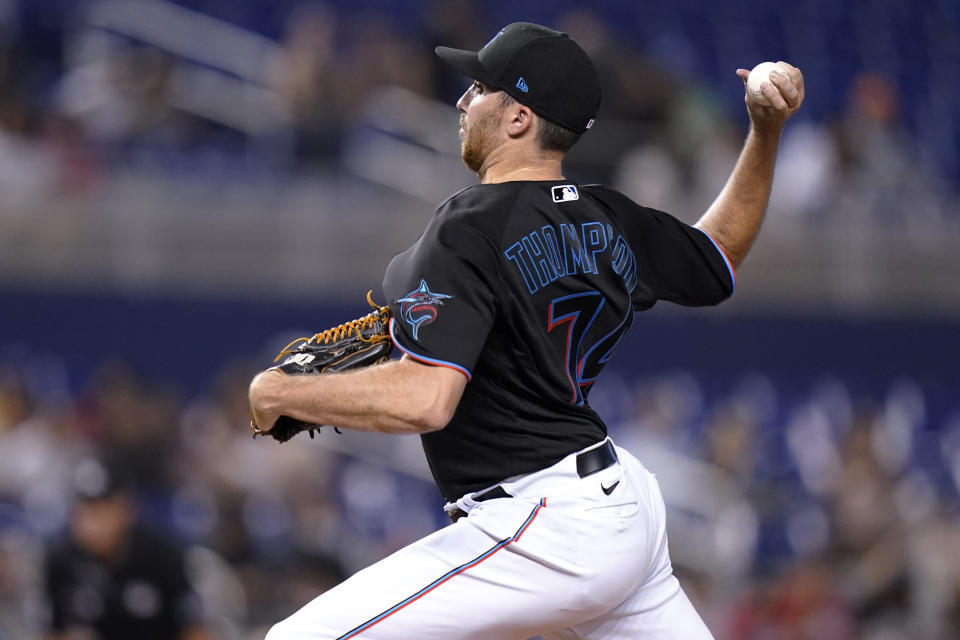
733 273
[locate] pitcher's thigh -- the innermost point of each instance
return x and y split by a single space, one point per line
661 613
459 583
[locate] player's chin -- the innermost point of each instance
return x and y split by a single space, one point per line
470 158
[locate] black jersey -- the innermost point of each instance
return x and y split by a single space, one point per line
144 595
527 288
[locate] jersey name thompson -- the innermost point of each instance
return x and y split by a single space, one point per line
527 288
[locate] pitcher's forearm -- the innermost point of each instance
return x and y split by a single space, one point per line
734 218
396 397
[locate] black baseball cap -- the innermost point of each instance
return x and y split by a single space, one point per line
541 68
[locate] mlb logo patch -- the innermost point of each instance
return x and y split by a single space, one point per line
565 193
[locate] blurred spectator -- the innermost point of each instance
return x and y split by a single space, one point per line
634 87
114 578
27 165
733 438
649 174
934 576
133 419
878 176
21 600
868 545
125 99
638 97
453 23
801 603
309 75
803 180
36 449
381 55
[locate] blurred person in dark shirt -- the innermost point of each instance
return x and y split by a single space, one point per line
113 578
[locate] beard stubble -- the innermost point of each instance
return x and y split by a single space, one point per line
475 146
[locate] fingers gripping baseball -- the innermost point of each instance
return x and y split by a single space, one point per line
773 93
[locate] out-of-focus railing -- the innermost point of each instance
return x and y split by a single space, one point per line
336 232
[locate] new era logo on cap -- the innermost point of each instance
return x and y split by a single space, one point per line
565 193
522 85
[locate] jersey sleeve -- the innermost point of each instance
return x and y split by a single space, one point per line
675 261
442 295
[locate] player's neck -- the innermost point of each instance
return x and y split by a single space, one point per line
531 165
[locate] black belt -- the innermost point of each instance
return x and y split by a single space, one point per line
588 463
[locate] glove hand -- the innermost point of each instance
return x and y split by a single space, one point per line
264 411
358 343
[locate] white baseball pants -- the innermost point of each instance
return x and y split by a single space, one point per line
561 559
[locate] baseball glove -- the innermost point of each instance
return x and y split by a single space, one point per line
358 343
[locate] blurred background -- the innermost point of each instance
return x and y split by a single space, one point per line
185 185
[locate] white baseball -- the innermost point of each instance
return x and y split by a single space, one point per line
760 74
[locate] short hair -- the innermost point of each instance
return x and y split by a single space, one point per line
550 135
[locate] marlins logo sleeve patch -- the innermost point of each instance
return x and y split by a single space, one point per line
419 307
